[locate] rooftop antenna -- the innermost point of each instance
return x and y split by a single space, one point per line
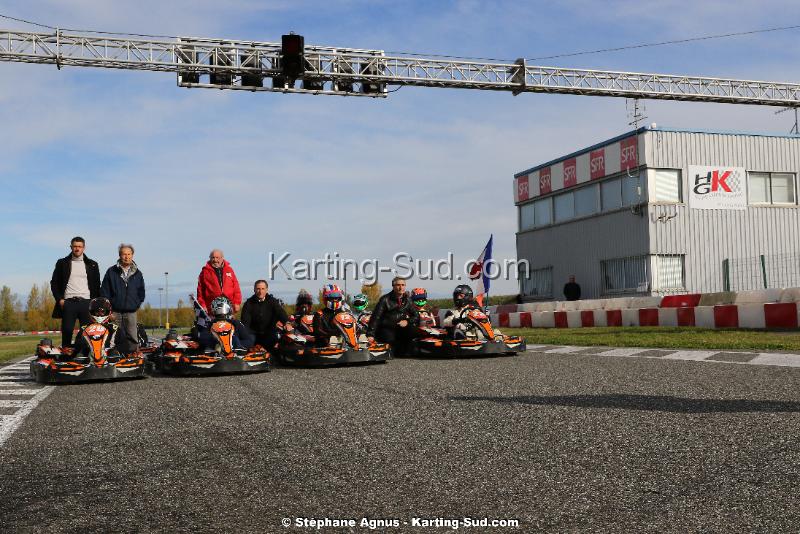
794 129
635 112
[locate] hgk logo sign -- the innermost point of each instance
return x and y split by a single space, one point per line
597 164
713 181
545 184
627 154
570 173
720 188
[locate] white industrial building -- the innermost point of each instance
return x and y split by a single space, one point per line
658 211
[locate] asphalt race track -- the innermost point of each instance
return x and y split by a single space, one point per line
558 442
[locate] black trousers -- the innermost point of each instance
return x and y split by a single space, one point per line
396 336
73 309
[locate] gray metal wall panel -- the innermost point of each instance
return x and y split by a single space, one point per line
707 237
577 248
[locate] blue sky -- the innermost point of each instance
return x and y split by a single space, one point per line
128 156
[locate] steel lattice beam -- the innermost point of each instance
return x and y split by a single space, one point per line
255 66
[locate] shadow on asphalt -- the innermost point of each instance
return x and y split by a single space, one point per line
654 403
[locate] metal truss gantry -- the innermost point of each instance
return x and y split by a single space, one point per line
255 66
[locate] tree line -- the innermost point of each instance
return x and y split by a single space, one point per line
36 313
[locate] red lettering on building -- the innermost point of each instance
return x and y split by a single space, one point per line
523 193
545 184
627 154
597 163
570 173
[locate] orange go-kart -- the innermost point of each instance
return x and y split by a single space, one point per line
348 347
181 355
92 361
473 335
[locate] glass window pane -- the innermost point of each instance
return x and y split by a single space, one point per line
564 207
526 220
611 191
668 185
782 188
586 200
669 272
759 187
540 283
635 273
613 276
631 193
542 212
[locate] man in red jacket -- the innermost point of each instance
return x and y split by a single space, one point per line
217 279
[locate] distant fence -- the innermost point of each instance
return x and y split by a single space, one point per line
761 272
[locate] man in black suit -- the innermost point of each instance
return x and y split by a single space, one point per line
75 281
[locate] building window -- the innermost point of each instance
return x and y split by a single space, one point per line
624 275
771 188
539 285
542 213
586 201
611 194
667 184
668 272
633 189
526 217
564 207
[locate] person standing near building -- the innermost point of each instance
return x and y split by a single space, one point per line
572 290
75 281
262 314
123 286
217 279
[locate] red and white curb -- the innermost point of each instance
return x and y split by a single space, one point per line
713 356
19 396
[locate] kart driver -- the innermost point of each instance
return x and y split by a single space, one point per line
324 328
360 303
454 319
100 313
221 310
422 316
304 305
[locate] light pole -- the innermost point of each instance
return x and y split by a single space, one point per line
166 299
160 304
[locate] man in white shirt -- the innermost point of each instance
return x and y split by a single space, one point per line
75 281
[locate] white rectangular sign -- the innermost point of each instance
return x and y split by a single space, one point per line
717 187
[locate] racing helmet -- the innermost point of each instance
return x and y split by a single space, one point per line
419 297
332 296
304 303
360 302
462 294
100 310
221 308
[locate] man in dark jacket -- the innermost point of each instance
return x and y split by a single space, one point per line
123 285
572 290
390 319
262 313
75 282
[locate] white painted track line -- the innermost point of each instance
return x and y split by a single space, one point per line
764 358
783 360
9 423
